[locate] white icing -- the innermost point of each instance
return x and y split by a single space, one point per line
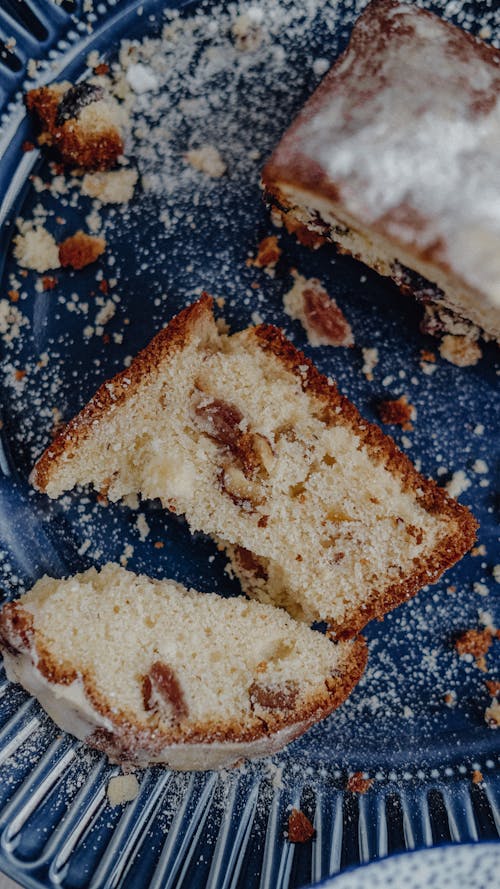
417 141
71 710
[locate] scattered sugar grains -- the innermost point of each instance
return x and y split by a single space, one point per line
222 71
122 789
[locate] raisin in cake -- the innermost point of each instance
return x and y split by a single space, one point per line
395 159
243 436
82 123
148 671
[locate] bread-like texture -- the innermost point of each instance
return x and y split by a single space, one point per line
246 438
148 671
80 122
394 159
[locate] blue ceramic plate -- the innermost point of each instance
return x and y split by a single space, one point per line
184 232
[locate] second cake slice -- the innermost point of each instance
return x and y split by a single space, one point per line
321 512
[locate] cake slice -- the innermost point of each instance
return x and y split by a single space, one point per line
148 671
243 436
395 160
82 123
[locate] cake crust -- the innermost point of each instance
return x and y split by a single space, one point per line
71 688
331 409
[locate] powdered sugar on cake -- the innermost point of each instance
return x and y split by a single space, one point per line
404 148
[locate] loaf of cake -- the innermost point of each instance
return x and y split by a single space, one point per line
81 123
150 672
395 159
243 436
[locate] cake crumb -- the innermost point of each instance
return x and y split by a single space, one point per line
493 686
247 31
122 789
496 573
478 550
492 714
477 777
480 467
397 412
458 483
110 187
300 829
80 250
480 588
206 159
460 350
450 699
268 253
36 249
476 643
370 361
357 783
323 321
142 526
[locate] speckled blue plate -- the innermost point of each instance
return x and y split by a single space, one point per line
184 232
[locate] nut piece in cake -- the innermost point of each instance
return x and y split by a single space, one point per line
150 672
394 159
319 511
81 122
319 314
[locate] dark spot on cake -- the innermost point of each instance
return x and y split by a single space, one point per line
76 99
413 284
250 563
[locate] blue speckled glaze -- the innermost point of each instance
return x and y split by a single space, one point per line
223 831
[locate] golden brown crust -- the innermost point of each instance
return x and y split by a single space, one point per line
133 741
332 408
335 409
76 146
173 337
80 250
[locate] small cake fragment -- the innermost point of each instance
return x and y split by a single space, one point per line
122 789
80 250
460 350
150 672
268 254
394 160
207 159
357 783
300 829
319 314
36 249
492 714
476 643
111 186
81 122
317 510
397 412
